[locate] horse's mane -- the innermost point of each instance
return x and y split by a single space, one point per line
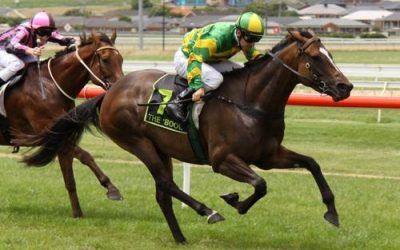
84 41
254 65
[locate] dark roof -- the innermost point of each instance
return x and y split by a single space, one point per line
91 22
123 12
155 22
390 5
283 20
199 21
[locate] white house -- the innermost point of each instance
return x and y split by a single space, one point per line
372 17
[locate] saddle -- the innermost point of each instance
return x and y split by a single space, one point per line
165 89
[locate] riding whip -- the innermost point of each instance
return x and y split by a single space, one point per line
205 97
165 103
39 74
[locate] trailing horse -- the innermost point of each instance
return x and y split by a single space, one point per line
29 111
242 124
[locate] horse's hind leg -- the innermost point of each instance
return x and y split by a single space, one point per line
238 170
87 159
65 159
289 159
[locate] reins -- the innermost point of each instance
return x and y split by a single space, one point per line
251 110
84 64
322 85
55 82
165 103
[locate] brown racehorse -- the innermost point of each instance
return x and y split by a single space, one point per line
63 77
243 124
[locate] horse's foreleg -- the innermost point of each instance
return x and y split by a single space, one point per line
86 158
238 170
147 153
160 167
165 202
200 208
289 159
65 159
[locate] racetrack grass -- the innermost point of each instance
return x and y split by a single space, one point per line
367 57
35 212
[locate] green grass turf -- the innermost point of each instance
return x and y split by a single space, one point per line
35 211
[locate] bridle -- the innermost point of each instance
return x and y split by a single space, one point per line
321 84
105 85
279 115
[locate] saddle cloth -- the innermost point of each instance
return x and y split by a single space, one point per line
164 90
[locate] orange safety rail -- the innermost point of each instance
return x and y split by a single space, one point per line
303 100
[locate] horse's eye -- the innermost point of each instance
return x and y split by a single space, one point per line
316 58
104 61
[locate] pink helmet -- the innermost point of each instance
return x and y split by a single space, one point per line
42 19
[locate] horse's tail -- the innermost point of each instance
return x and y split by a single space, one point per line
66 132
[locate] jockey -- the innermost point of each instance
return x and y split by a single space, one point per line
205 53
24 43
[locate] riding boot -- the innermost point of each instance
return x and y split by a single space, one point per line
178 109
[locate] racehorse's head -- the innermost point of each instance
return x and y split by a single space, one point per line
105 63
318 68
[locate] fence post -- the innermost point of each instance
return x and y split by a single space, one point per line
186 179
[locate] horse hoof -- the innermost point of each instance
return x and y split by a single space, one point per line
77 215
181 241
114 195
214 218
231 198
332 218
242 211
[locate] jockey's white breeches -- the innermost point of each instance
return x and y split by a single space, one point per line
10 64
210 73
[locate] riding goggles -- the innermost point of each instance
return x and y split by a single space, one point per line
251 38
44 31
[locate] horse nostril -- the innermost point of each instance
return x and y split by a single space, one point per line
343 87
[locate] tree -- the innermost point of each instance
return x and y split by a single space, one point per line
271 9
11 21
146 4
258 7
125 19
77 12
158 10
